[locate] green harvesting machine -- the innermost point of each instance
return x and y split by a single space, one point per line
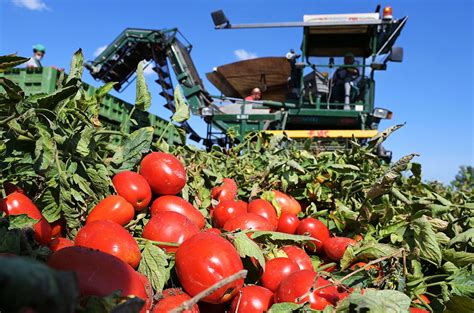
305 94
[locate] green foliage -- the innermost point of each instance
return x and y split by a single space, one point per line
54 148
155 265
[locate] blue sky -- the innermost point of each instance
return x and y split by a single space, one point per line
432 90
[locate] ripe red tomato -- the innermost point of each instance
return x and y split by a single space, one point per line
110 237
248 221
358 265
424 298
178 205
252 299
335 247
17 203
171 299
227 210
212 231
265 209
358 237
287 203
134 188
227 191
299 283
276 270
418 310
288 223
163 172
169 227
98 273
205 259
59 243
58 228
315 229
113 208
297 255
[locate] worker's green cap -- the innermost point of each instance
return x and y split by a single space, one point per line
349 54
39 47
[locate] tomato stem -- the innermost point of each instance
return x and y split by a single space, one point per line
160 243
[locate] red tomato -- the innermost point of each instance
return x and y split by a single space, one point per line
358 237
368 268
227 210
178 205
418 310
171 299
213 231
424 298
276 270
287 203
17 203
205 259
110 237
58 228
134 188
288 223
299 283
59 243
335 247
252 299
297 255
248 221
169 227
98 273
227 191
265 209
315 229
113 208
163 172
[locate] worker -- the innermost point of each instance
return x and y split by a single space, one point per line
255 95
343 80
38 54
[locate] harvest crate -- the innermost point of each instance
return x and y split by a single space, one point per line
113 111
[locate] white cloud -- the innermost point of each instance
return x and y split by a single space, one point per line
34 5
99 50
242 54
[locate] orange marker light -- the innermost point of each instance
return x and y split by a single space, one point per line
387 13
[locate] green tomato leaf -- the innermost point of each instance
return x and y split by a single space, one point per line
143 96
9 61
182 112
285 307
154 265
467 236
13 91
365 251
388 301
458 258
21 221
247 247
426 241
263 235
130 152
462 283
76 68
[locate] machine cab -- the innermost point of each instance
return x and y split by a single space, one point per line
328 83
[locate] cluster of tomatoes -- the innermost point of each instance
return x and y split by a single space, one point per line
105 256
